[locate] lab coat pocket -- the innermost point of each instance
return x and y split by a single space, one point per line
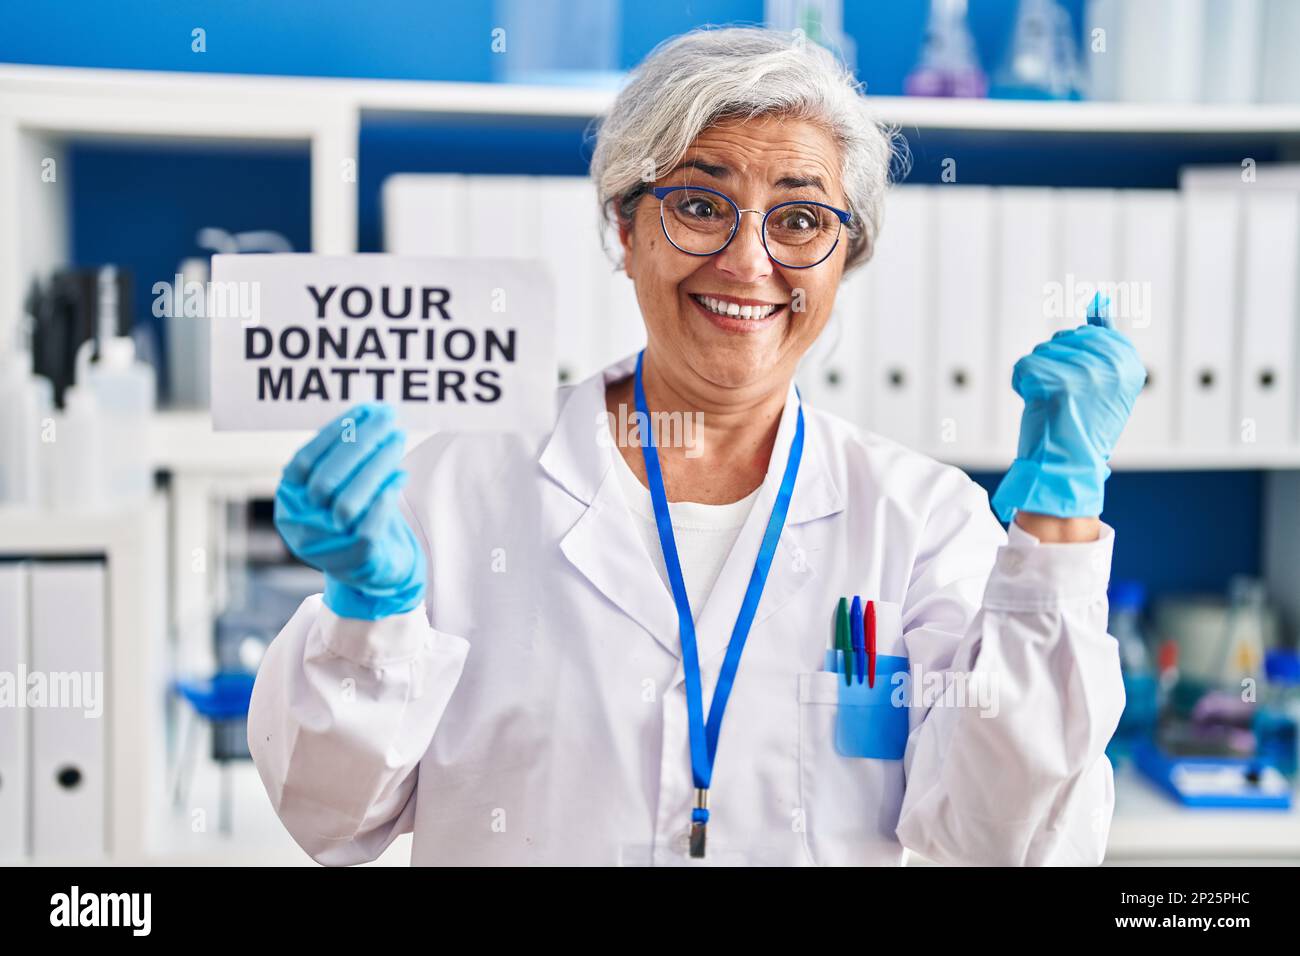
850 802
872 719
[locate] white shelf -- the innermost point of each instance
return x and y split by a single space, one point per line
269 100
1056 117
183 442
276 96
1149 826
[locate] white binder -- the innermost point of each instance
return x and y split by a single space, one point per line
14 756
1245 177
1209 307
425 215
455 215
68 629
1265 373
962 389
898 318
1089 236
1150 223
551 218
570 246
622 332
1029 282
504 217
833 375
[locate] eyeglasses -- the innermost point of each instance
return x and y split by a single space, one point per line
702 222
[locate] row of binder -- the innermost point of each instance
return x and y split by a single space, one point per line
52 742
965 280
968 279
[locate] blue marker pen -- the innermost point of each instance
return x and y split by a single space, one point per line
855 634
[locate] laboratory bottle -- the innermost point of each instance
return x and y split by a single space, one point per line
124 393
26 404
1277 719
1041 62
74 473
948 64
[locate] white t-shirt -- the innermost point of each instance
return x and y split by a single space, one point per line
704 533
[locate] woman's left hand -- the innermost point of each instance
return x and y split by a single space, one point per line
1079 388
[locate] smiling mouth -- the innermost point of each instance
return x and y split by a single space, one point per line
735 310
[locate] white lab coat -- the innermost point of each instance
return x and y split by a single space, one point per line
532 711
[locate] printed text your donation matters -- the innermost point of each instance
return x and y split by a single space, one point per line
385 344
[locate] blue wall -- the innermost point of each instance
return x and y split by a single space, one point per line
1181 531
140 207
419 39
380 38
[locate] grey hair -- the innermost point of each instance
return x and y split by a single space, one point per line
690 82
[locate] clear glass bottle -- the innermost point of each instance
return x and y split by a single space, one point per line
949 65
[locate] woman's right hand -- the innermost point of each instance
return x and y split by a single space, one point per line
336 508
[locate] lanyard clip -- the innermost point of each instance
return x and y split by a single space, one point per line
699 823
697 840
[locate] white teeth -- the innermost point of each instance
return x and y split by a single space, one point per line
735 309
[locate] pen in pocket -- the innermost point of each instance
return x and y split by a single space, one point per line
871 643
844 639
855 632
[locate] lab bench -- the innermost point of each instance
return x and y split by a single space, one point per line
1150 829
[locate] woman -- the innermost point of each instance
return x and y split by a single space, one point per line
525 654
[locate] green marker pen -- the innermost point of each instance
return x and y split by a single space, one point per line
843 642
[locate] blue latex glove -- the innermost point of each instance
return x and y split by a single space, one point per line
336 509
1079 388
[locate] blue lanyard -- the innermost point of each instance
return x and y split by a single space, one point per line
704 740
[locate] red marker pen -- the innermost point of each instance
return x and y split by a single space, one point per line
869 623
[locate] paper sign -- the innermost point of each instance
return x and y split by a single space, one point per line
451 344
